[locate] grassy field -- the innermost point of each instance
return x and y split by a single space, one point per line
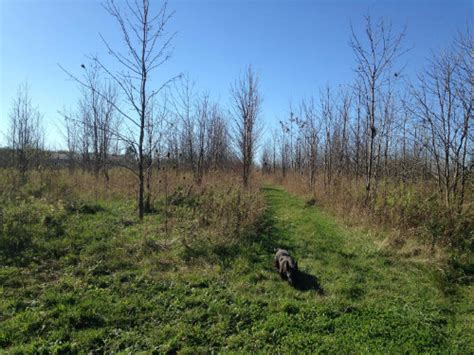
112 285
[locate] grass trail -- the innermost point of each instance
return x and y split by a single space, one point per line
371 302
104 300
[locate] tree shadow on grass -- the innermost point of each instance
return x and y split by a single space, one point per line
307 282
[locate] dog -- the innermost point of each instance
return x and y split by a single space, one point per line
286 266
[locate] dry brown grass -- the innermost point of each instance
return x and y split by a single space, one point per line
123 184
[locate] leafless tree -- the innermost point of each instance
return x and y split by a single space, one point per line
25 133
246 104
147 46
283 142
203 121
218 139
274 139
311 139
376 54
98 104
90 129
204 136
464 51
443 101
357 145
183 101
72 138
342 126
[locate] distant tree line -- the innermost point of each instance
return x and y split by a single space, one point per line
380 126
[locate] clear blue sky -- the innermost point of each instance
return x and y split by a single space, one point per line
296 46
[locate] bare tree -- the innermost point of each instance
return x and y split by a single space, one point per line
247 103
343 113
327 115
203 130
444 107
376 55
218 139
358 151
284 148
147 46
90 129
72 137
25 133
98 104
183 101
464 49
274 138
203 117
311 140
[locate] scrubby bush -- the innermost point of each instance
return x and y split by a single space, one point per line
433 222
18 230
27 222
210 219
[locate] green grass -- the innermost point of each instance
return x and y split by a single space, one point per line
113 286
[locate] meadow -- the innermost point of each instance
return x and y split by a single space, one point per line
143 196
80 273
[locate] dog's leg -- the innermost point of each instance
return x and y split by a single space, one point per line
282 269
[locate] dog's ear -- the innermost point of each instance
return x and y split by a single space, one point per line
296 265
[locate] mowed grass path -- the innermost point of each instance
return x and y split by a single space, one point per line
367 300
372 302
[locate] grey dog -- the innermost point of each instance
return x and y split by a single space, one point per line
286 266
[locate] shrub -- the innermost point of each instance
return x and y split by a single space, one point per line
433 222
18 229
209 220
29 221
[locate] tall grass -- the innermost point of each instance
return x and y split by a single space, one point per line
196 220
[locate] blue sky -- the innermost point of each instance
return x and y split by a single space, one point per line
296 46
